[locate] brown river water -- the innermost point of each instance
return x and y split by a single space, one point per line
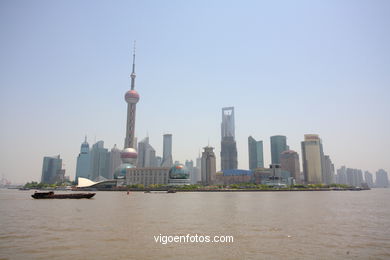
264 225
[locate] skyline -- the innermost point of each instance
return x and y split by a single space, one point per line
63 78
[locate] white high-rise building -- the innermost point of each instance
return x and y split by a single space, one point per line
167 160
146 155
114 161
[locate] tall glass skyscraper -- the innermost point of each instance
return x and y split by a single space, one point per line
83 161
369 179
99 161
381 180
328 171
146 155
278 145
167 160
52 166
114 161
255 152
228 142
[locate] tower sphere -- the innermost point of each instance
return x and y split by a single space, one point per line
132 96
129 155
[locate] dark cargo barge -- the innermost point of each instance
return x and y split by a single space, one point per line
51 195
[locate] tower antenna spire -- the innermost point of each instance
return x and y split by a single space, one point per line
133 71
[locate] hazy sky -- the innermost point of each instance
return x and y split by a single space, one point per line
288 67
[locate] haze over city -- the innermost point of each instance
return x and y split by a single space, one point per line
289 68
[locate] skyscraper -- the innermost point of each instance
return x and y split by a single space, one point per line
52 169
312 159
228 142
146 154
341 177
278 145
368 179
354 177
99 161
208 169
328 176
289 161
83 161
167 160
198 169
382 179
193 171
255 153
114 161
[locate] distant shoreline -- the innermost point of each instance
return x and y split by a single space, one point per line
217 190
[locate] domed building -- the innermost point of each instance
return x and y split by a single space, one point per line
179 175
120 172
129 158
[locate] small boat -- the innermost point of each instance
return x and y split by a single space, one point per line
51 195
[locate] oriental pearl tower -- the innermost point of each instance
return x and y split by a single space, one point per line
129 153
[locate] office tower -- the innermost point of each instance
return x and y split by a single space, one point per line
278 145
114 161
381 180
83 161
369 179
167 151
289 161
158 161
255 153
360 179
328 176
228 142
351 177
146 154
208 170
52 169
189 164
312 159
198 167
354 177
341 177
99 161
193 171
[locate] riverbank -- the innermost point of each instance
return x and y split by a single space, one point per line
217 190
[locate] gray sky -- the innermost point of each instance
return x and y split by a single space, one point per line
288 67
